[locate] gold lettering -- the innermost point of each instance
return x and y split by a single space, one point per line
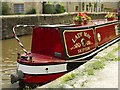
83 49
79 35
87 35
76 37
89 43
73 40
77 45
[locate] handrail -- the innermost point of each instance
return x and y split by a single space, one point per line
18 40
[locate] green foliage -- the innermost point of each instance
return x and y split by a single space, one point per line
112 56
98 65
78 18
32 11
90 71
59 8
90 4
68 77
49 8
117 59
90 68
5 8
88 17
110 15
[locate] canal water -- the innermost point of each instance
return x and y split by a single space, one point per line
10 48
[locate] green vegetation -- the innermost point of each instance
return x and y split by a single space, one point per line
50 8
78 18
97 65
112 56
5 8
59 8
68 77
32 11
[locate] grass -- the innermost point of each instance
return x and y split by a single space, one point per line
68 77
111 56
97 65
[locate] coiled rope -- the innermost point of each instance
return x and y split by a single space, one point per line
18 40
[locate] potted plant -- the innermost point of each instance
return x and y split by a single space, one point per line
82 18
78 20
86 18
110 16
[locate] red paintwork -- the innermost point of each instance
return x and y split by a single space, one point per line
71 42
107 33
39 59
47 41
42 78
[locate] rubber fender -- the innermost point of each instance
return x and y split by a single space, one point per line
16 77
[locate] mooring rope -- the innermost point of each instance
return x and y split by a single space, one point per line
18 40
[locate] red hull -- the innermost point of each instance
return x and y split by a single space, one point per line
41 79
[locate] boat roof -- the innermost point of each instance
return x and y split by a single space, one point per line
93 23
56 25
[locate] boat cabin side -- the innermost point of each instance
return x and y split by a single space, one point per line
70 42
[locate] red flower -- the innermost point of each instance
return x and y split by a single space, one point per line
85 13
80 14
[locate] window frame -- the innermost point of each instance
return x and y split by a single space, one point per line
19 8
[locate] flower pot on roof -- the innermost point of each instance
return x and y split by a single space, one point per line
110 19
86 18
78 20
82 18
77 23
110 16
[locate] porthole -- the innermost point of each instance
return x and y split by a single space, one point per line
99 37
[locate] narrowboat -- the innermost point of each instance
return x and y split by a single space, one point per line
58 49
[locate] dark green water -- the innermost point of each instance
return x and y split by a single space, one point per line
10 48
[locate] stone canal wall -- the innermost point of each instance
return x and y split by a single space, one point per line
11 20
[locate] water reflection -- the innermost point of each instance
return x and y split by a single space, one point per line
10 48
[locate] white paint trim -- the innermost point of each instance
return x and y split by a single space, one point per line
42 69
